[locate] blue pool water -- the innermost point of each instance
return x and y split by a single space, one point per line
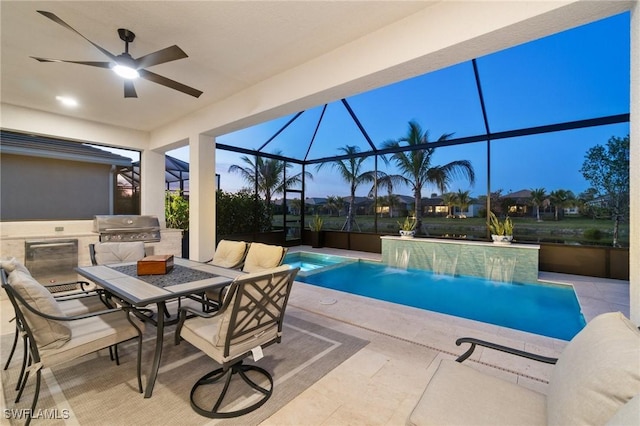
549 310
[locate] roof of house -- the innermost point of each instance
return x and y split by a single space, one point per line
40 146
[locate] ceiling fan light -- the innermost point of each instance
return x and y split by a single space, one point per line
125 71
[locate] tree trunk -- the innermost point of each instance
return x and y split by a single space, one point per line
418 205
616 226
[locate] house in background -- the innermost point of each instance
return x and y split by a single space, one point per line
54 179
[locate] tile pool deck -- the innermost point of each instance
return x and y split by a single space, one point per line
381 383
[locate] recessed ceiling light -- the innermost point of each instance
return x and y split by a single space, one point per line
67 101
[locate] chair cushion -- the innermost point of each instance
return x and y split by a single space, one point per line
597 373
460 395
10 264
263 256
109 253
628 415
47 333
92 334
229 254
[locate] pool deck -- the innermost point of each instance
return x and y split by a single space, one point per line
382 383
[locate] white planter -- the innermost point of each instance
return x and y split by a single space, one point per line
407 234
501 239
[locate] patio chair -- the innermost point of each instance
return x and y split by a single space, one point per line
110 253
72 303
595 381
263 256
258 257
55 338
230 254
249 320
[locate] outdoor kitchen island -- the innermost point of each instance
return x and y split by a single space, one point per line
14 235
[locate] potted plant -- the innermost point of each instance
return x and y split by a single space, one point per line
501 232
408 227
315 226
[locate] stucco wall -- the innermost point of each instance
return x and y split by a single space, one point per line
41 188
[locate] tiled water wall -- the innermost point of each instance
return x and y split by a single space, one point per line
507 263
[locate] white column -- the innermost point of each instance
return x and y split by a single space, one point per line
202 197
634 216
152 184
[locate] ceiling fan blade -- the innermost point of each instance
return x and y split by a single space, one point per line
161 56
148 75
129 90
59 21
90 63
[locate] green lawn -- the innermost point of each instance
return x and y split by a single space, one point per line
569 230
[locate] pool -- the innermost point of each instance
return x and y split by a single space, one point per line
313 263
546 309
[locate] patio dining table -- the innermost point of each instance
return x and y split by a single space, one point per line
187 278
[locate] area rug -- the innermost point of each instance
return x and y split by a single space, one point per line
95 391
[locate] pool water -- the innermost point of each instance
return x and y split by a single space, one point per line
312 263
546 309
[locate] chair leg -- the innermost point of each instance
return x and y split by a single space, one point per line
13 347
240 371
139 369
35 396
25 359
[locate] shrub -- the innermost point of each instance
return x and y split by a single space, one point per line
593 234
240 213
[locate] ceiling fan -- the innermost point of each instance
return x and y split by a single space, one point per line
126 66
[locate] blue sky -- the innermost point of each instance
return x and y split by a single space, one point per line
578 74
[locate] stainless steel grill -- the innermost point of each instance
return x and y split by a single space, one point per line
120 228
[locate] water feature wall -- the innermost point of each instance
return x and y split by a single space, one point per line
505 263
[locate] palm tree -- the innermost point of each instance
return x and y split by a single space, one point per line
561 199
449 200
415 165
538 196
386 181
463 199
267 175
351 171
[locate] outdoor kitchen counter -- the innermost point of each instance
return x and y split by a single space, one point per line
14 234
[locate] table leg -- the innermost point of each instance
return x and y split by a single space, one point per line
158 353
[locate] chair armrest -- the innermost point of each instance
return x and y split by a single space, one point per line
71 318
81 283
495 346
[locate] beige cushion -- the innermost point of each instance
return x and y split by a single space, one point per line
628 415
460 395
229 254
47 333
263 256
92 334
10 264
109 253
597 373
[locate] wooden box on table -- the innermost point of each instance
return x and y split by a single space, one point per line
155 265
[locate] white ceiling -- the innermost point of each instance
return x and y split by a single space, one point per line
232 45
